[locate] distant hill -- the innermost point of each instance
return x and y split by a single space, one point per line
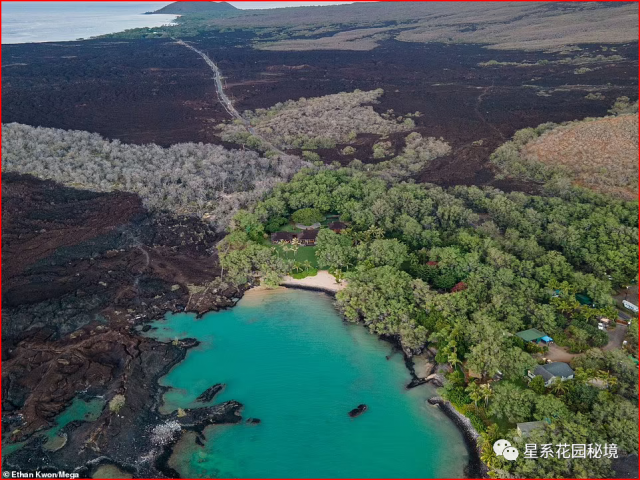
181 8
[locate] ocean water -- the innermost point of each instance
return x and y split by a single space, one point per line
25 22
288 357
79 409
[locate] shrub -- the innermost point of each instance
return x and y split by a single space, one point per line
116 403
275 223
457 396
623 105
349 150
537 385
445 281
382 149
311 156
476 421
312 272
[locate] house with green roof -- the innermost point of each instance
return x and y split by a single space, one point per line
535 336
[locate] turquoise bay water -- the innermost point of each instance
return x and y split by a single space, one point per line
288 357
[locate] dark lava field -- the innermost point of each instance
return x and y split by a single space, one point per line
144 91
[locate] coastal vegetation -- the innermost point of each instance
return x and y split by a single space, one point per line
464 269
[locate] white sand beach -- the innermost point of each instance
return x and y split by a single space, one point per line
323 280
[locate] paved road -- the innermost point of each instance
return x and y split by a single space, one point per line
224 100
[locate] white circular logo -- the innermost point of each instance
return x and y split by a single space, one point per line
500 445
510 453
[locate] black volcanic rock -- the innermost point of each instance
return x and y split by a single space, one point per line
181 8
359 410
210 392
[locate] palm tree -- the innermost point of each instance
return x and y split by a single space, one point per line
453 359
488 456
374 232
338 274
558 387
606 377
474 392
581 376
295 245
307 265
487 393
285 246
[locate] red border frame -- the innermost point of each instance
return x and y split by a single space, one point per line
284 2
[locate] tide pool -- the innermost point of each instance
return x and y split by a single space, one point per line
288 357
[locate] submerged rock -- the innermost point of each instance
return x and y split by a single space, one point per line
254 421
210 392
359 410
415 382
188 342
436 379
423 365
198 418
55 443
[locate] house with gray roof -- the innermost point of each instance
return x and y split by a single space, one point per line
551 371
525 429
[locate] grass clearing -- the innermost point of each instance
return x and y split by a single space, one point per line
303 254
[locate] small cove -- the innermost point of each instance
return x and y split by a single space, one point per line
288 357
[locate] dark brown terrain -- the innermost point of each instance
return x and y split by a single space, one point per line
143 91
81 270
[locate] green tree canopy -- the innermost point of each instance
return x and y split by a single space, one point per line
307 216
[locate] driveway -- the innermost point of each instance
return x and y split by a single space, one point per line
616 337
559 354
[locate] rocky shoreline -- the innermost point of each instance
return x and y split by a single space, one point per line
475 468
82 272
431 375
